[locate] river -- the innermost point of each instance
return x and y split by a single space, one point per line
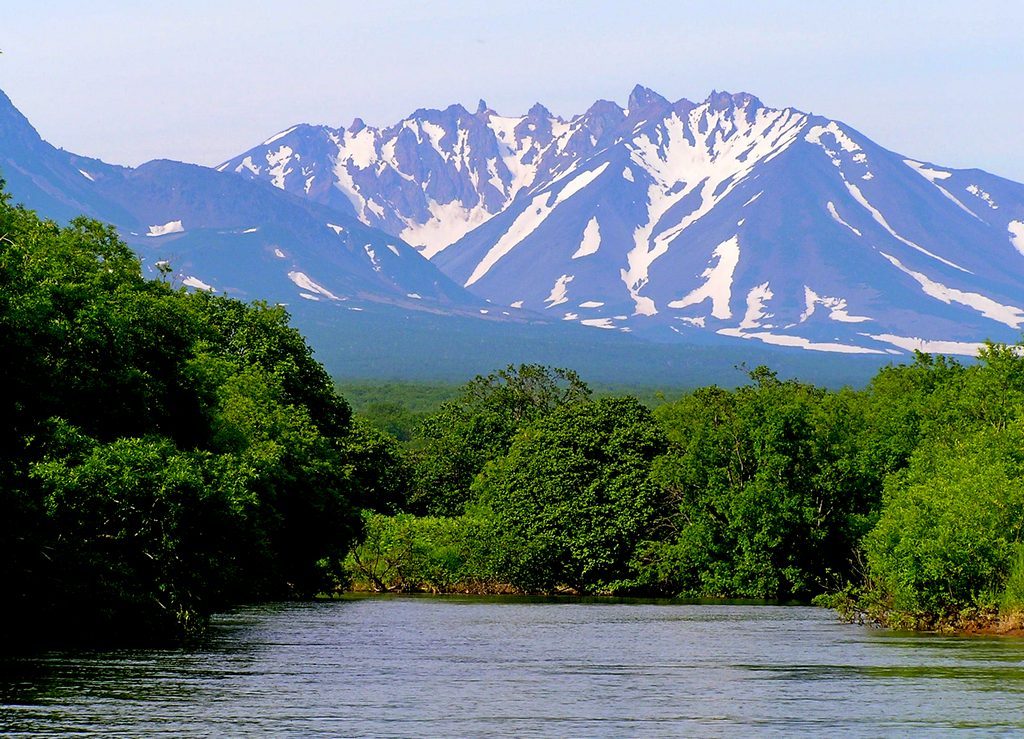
451 666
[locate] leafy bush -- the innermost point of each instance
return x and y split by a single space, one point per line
573 498
406 553
949 532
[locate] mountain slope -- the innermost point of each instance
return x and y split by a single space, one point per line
223 232
724 216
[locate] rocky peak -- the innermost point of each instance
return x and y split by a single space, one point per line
643 98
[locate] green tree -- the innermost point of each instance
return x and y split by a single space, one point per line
162 452
478 427
950 530
770 496
573 498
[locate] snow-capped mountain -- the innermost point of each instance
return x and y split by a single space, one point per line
226 233
434 176
723 216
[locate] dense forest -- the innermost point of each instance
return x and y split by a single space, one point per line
168 453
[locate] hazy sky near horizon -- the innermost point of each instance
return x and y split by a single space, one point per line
202 80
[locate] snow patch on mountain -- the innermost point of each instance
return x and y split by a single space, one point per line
927 172
913 343
279 136
979 193
1016 230
448 223
718 277
559 292
373 257
591 240
1007 314
246 164
835 306
517 154
171 227
816 134
278 165
359 148
756 310
303 281
797 342
831 207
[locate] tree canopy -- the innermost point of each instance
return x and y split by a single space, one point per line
163 452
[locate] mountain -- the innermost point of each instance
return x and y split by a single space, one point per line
227 233
723 218
371 306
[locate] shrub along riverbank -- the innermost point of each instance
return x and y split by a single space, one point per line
165 454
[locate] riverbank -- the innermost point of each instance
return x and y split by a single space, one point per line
857 607
989 623
1000 625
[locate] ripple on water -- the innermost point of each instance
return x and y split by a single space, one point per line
526 667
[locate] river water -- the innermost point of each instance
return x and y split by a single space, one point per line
441 667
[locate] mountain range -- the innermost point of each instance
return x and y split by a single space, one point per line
643 230
726 216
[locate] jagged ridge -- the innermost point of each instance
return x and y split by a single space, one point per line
723 215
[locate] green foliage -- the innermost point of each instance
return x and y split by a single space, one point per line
770 495
397 408
380 471
407 553
949 530
1012 601
947 544
393 419
572 499
420 398
478 427
139 524
163 453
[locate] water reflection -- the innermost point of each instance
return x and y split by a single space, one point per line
529 667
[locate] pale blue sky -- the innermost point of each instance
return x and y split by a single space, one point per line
202 81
